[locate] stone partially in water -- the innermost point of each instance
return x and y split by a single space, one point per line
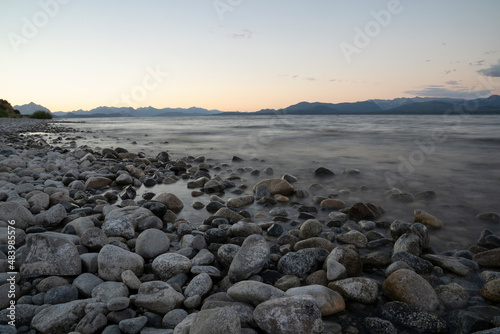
491 290
276 186
427 219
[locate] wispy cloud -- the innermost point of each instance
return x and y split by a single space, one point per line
311 79
490 52
427 60
453 82
477 63
492 71
441 91
446 72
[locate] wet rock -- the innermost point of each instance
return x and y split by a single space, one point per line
296 314
226 254
287 282
402 197
355 238
228 214
151 243
410 317
97 182
360 289
449 263
376 260
489 259
297 264
323 172
468 322
171 201
452 295
128 193
337 218
276 186
348 258
427 219
362 211
332 204
253 292
310 228
407 286
491 290
379 326
50 255
491 217
158 297
113 261
169 265
316 242
398 228
220 320
423 234
328 301
418 264
244 229
238 202
488 239
250 259
408 242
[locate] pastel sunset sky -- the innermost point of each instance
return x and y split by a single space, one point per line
245 55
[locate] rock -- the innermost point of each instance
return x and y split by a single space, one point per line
317 242
119 227
201 284
348 258
332 204
221 320
81 225
355 238
94 238
113 261
396 266
296 314
411 317
360 289
185 325
158 297
228 214
491 290
379 326
250 259
173 318
447 262
59 318
85 284
335 270
128 193
287 282
171 201
244 229
420 265
427 219
337 218
124 179
51 282
61 294
452 295
131 280
310 228
469 322
328 301
488 239
151 243
323 172
253 292
97 182
276 186
407 286
489 259
41 199
376 260
226 254
132 326
423 234
398 228
362 211
169 265
203 258
106 291
491 217
408 242
297 264
367 225
238 202
13 211
50 255
118 304
92 322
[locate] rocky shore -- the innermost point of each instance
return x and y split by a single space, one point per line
88 245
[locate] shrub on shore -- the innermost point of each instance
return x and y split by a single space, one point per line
40 114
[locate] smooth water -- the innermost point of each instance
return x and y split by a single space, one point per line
457 156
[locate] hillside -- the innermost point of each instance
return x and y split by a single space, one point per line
6 109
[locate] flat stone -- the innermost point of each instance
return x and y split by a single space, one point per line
488 259
158 297
427 219
360 289
253 292
449 263
328 301
276 186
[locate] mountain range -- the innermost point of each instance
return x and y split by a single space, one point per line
417 105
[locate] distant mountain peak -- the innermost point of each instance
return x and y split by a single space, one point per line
30 108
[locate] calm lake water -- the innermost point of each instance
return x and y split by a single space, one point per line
457 156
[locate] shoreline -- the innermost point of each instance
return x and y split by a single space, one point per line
217 263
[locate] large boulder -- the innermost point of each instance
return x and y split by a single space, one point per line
113 260
295 314
220 320
250 259
50 255
58 319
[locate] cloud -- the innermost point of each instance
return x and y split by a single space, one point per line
311 79
453 82
441 91
492 71
490 52
477 63
427 60
449 71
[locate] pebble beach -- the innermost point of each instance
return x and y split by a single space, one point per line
108 240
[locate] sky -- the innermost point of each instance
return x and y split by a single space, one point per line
244 55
